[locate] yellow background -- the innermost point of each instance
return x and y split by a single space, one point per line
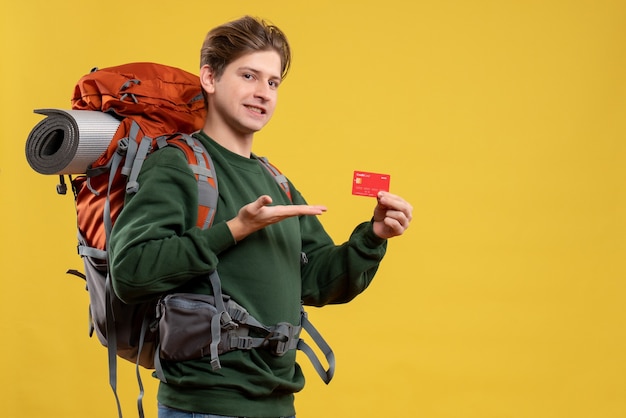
503 122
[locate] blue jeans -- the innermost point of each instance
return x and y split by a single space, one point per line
167 412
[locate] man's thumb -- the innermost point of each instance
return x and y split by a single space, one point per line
263 201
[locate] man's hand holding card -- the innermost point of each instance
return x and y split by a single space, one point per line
392 214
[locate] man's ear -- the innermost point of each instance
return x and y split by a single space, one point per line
207 78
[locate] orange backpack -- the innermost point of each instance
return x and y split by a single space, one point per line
153 101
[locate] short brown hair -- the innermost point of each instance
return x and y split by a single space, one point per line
228 42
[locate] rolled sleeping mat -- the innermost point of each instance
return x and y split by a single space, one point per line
67 141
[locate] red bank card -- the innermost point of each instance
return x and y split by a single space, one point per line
369 184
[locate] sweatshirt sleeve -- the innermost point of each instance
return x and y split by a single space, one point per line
337 273
155 245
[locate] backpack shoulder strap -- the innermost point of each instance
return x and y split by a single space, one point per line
201 165
278 176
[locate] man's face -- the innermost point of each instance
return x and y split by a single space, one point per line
244 97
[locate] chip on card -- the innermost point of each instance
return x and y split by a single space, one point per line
369 184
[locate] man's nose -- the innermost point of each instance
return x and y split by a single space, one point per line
263 90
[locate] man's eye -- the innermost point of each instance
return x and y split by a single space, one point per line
247 76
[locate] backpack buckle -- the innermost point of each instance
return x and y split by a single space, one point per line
280 339
241 343
122 146
132 187
227 322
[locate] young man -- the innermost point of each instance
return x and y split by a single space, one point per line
256 241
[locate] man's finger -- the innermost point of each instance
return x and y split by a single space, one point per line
263 200
298 210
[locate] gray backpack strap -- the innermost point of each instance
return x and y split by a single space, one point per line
91 252
137 161
207 194
131 148
326 375
110 320
135 167
278 176
220 321
145 325
203 169
111 343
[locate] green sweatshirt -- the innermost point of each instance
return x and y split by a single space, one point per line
156 249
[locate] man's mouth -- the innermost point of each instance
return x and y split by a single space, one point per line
256 109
